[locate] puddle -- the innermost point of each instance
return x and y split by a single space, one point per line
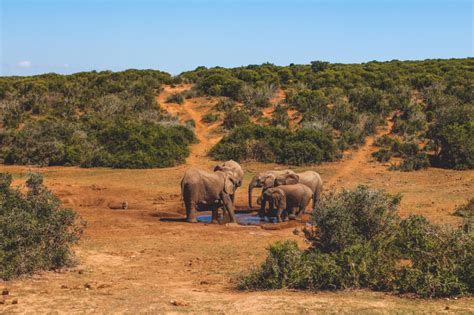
242 218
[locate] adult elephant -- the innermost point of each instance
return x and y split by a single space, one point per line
236 168
203 190
265 179
310 179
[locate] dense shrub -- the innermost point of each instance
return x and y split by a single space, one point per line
356 98
273 144
280 117
359 241
175 98
452 134
35 231
210 118
235 117
89 119
413 157
122 143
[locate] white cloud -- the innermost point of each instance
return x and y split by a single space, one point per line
24 64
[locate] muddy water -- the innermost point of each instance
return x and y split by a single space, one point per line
242 218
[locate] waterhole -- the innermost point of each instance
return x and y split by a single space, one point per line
242 218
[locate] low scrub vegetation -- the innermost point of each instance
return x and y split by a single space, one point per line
175 98
210 118
413 157
35 231
432 100
89 119
274 144
359 241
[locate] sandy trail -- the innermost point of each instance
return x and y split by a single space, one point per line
192 109
360 158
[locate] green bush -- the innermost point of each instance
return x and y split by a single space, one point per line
359 241
68 120
382 155
452 134
413 158
175 98
35 231
209 118
273 144
122 143
235 117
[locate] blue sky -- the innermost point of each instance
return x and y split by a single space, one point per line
79 35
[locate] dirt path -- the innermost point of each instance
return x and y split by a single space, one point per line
360 158
193 109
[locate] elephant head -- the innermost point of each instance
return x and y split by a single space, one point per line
264 179
231 179
270 179
235 167
277 201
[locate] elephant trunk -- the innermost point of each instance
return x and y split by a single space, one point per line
252 185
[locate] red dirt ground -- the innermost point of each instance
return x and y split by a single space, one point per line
146 260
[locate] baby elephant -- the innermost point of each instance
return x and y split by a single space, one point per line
285 199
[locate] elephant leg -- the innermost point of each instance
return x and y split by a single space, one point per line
291 214
301 212
226 215
261 211
278 218
229 206
190 211
215 215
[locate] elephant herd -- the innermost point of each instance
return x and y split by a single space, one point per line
286 192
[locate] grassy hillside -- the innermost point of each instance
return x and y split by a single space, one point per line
430 103
89 119
305 114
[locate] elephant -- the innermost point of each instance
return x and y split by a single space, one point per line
285 199
210 191
264 179
309 178
237 169
234 166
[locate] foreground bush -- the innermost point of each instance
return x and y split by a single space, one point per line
35 231
359 241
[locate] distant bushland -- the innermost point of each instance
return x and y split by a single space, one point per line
89 119
430 101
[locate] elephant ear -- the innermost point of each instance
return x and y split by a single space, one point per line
291 179
287 179
229 185
268 181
